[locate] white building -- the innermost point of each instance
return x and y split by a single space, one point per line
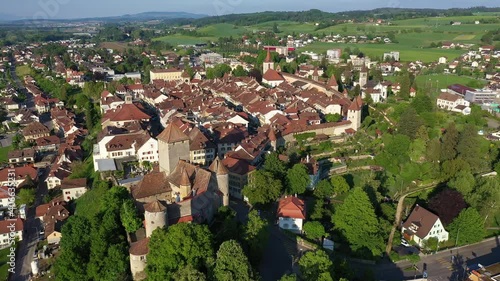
422 225
140 147
11 226
73 188
453 103
291 214
482 96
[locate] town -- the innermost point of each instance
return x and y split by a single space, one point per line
251 158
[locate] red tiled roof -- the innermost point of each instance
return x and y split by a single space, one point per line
172 134
272 75
4 225
292 207
140 248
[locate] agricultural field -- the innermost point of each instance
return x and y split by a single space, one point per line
118 46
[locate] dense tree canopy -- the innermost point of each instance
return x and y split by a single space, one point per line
169 251
255 235
314 229
340 184
298 179
231 263
447 204
316 265
262 188
468 227
275 166
357 221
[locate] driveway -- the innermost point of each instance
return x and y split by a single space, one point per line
6 139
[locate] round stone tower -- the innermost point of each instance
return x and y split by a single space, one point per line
155 216
222 176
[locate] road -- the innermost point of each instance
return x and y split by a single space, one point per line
440 266
32 228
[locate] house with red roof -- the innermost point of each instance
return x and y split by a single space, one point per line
8 226
291 213
20 175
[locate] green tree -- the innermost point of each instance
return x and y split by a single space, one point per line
357 221
275 166
330 118
181 244
340 185
316 265
468 148
26 196
75 244
262 188
298 179
449 143
239 71
314 230
405 84
129 216
189 273
431 244
231 263
255 236
409 123
468 227
324 189
464 182
422 103
288 277
433 151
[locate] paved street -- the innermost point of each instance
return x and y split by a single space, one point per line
32 227
440 266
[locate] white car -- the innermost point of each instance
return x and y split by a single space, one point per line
405 243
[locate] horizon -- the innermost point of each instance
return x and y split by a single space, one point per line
70 9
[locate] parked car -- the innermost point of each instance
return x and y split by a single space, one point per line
405 243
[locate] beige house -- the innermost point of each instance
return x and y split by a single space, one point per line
35 130
422 225
171 74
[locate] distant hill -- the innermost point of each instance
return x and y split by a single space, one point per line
7 17
146 16
321 16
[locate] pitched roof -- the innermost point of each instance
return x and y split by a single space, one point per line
152 184
356 104
126 112
35 128
292 207
185 178
268 56
140 248
218 168
4 225
332 82
172 134
68 183
272 75
422 220
154 207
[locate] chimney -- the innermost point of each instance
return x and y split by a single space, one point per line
59 213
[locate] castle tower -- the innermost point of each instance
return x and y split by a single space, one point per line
332 83
363 77
222 177
173 145
272 137
268 63
137 253
315 75
185 184
354 112
155 216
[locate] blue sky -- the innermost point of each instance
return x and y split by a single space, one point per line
58 9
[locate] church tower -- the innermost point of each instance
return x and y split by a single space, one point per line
222 177
354 112
155 216
268 63
185 185
332 83
173 145
363 76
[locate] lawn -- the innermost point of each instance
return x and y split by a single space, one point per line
22 71
4 267
3 153
178 39
435 82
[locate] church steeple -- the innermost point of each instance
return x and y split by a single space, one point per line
268 63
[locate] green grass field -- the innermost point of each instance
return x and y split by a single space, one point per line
441 81
22 71
4 267
413 35
3 153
